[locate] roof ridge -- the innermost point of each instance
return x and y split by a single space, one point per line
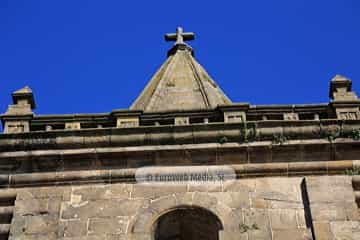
199 81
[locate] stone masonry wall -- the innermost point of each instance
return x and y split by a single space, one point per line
334 211
265 208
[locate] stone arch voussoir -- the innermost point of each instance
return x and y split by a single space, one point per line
146 218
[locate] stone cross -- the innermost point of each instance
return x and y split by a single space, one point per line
179 37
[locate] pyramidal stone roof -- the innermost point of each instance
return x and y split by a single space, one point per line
181 83
339 77
23 90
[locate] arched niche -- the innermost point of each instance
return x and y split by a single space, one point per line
142 226
187 223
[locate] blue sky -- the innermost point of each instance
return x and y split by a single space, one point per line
95 56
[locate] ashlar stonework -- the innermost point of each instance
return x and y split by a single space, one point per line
292 171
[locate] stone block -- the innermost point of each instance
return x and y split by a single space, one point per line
345 230
142 222
201 157
348 113
72 125
101 208
205 187
231 235
259 154
283 219
182 121
259 202
70 141
279 188
233 199
115 225
141 236
316 152
116 237
98 192
234 116
291 116
352 211
17 226
73 228
95 237
184 198
171 158
327 189
288 204
204 200
328 212
16 126
163 203
41 224
259 218
347 151
35 193
301 218
322 231
139 160
293 234
285 153
259 234
97 140
240 185
44 236
123 122
233 220
231 156
152 192
31 206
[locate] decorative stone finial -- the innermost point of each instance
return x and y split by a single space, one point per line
340 89
344 101
179 37
24 96
18 115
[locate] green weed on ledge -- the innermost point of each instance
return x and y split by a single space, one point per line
279 139
245 228
355 134
223 140
353 172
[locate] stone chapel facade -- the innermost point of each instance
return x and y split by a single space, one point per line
288 171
